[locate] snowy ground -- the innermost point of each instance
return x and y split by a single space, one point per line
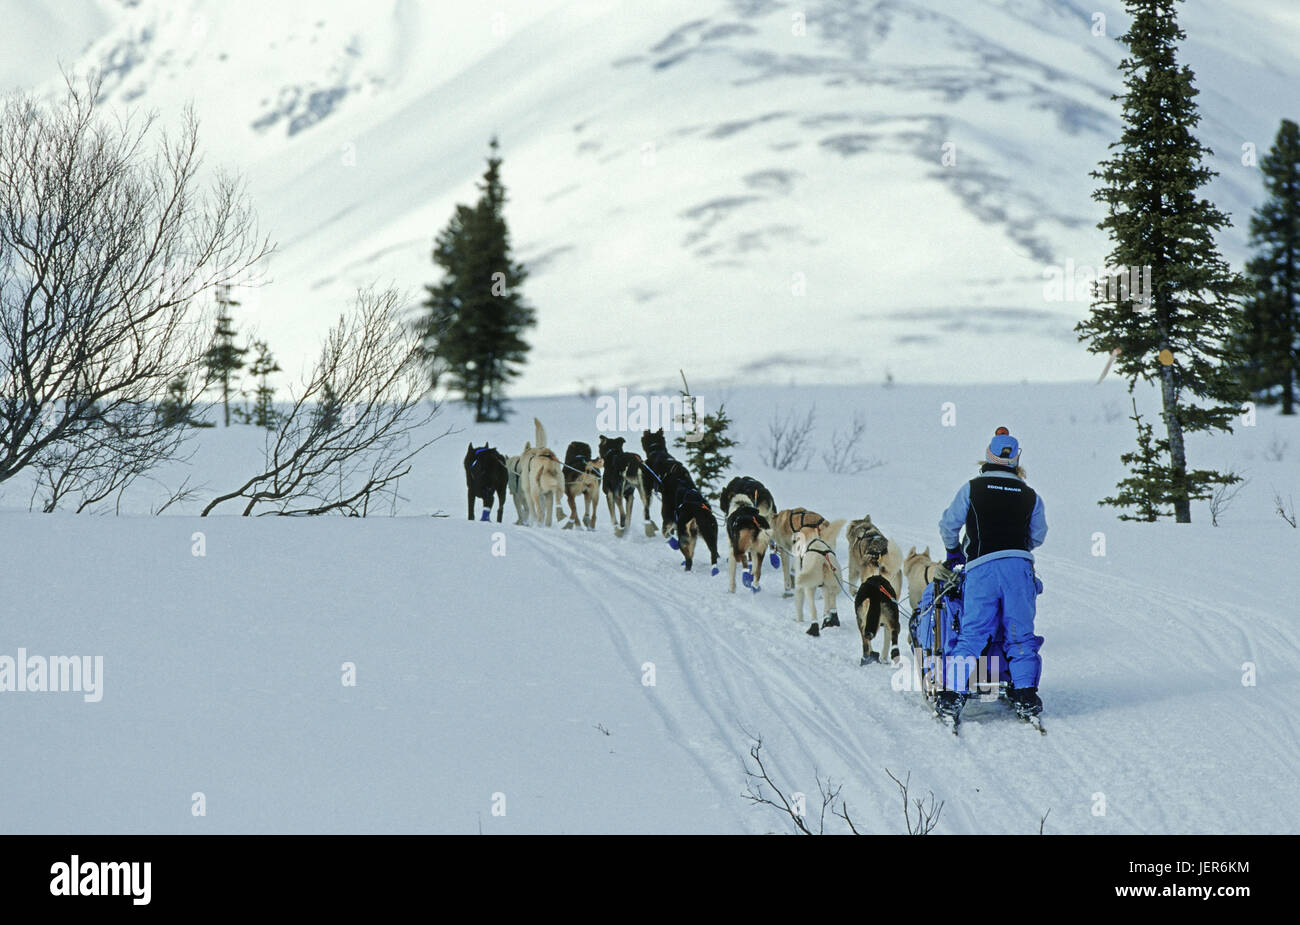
521 674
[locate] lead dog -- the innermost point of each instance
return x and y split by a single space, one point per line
748 534
485 476
784 527
581 477
545 478
876 597
920 570
813 551
872 553
624 476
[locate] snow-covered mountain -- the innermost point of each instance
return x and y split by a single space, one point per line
732 186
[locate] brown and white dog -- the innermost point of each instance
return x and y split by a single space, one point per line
544 475
812 549
581 477
784 527
920 570
872 553
748 535
876 599
624 477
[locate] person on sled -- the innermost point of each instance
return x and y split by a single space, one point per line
1004 520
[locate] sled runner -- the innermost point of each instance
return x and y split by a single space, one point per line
932 630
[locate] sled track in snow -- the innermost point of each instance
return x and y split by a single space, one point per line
727 664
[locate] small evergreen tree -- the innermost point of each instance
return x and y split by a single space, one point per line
328 410
1180 335
1146 489
476 315
174 410
223 359
706 445
263 365
1271 323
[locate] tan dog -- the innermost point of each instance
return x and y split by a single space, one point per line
920 570
872 553
545 478
815 566
784 527
748 535
581 478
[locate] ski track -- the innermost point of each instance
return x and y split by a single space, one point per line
740 663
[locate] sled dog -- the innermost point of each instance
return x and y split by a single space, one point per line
876 599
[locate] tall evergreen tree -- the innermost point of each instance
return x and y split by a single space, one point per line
476 315
1270 330
1179 336
223 359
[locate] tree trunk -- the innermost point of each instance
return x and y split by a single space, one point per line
1177 452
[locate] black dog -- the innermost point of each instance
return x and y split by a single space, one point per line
667 476
876 596
624 475
485 475
693 511
758 494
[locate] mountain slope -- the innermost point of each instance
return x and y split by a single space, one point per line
693 163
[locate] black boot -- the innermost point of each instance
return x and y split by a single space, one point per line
1026 701
815 629
832 619
949 703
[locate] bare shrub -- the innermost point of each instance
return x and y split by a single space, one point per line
108 242
1223 496
350 433
1284 509
788 444
843 457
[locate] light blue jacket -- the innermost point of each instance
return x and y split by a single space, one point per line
954 519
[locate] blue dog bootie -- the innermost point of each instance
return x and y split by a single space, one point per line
774 559
487 515
673 544
747 578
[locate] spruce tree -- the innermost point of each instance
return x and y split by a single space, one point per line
223 359
476 315
1271 324
263 365
706 445
1179 335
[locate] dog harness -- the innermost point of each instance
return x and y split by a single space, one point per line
803 520
739 519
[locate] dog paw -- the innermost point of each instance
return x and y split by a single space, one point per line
747 579
774 559
715 570
672 543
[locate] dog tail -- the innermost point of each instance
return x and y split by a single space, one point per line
832 534
540 432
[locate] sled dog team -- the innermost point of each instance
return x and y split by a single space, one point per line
803 542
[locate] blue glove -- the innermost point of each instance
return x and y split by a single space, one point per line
955 558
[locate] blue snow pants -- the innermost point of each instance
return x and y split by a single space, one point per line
1000 593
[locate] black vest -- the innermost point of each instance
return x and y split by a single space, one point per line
1000 509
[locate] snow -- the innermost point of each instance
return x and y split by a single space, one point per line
522 674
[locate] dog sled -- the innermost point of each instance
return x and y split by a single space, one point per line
932 631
